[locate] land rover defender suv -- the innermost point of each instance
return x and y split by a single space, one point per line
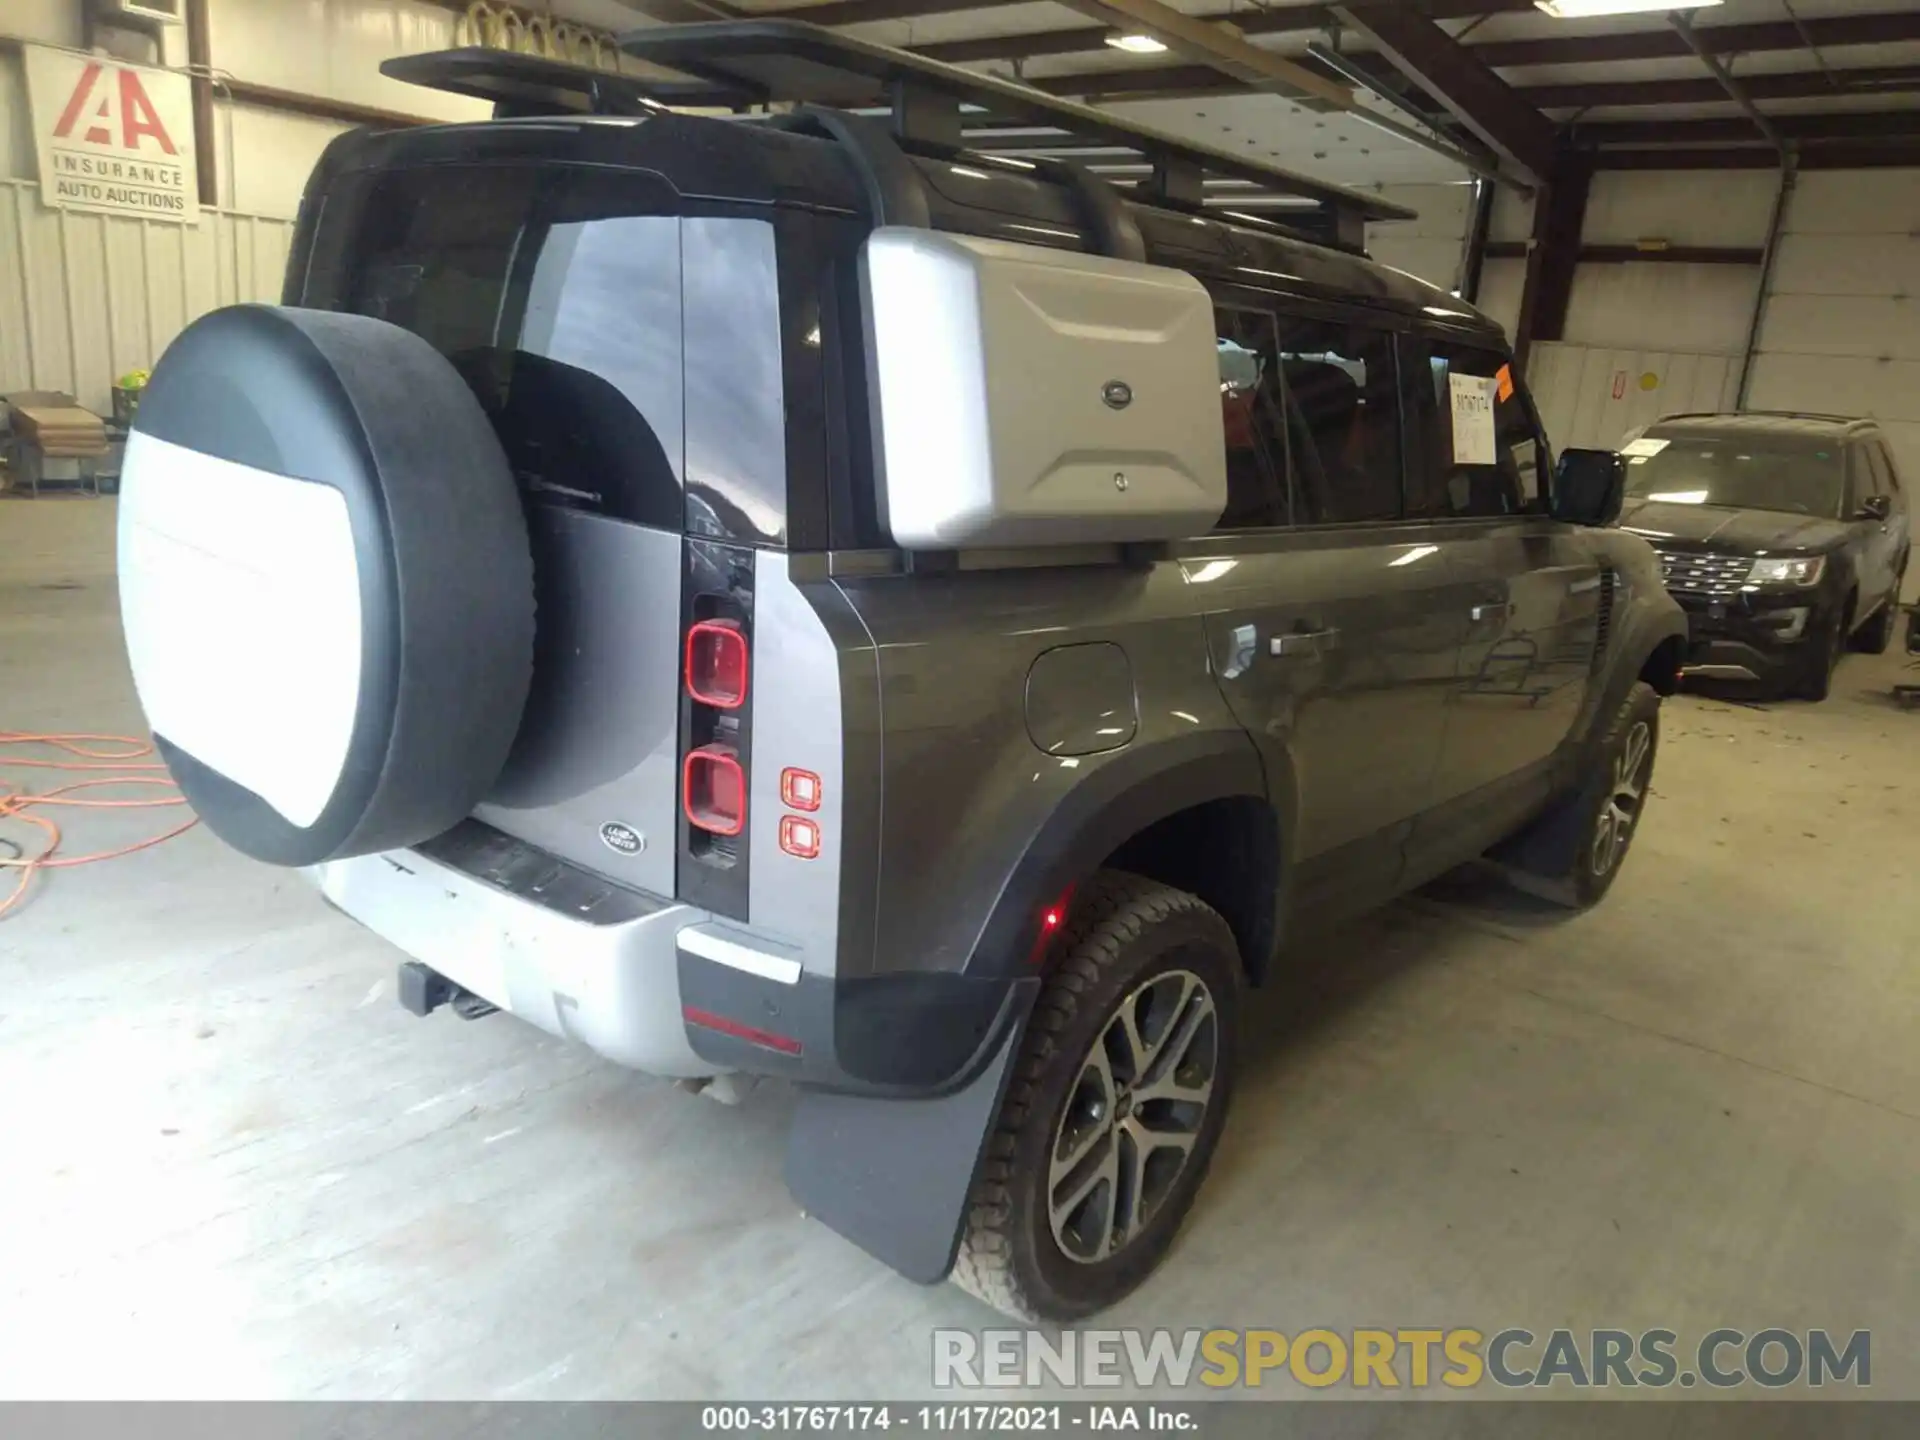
836 592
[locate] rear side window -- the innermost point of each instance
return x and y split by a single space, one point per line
1343 418
555 292
1253 416
1473 447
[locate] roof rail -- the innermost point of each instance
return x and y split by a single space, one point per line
1768 415
522 85
932 104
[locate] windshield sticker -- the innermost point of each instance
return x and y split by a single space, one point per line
1473 438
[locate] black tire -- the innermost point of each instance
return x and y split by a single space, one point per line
1129 940
1586 879
1876 635
1823 657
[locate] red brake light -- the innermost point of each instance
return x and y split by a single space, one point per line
716 664
799 789
799 837
713 790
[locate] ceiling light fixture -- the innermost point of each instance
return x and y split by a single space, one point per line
1137 44
1587 9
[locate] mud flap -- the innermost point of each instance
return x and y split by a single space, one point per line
893 1176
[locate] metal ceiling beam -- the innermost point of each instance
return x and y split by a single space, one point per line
1842 125
1829 155
1220 46
1475 96
1726 81
872 12
1165 80
1787 85
1885 28
1260 20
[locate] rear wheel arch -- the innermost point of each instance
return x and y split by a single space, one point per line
1129 813
1227 853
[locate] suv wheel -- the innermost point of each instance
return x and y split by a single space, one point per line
1876 635
1115 1107
1823 657
1611 802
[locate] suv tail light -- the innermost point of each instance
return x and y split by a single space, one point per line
717 665
713 790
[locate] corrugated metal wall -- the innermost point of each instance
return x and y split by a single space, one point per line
85 298
1841 333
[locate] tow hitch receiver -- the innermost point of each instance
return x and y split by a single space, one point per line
424 990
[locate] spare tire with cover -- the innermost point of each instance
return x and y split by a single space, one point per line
325 582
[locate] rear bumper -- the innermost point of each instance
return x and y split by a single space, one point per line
662 986
581 960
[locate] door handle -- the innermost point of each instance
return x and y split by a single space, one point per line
1493 610
1304 642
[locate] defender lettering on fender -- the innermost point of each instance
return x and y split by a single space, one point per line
786 595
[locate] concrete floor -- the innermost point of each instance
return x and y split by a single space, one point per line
230 1165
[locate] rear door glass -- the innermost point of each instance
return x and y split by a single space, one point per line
554 291
1344 414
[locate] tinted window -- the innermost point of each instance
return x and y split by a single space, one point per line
1860 478
556 295
1800 475
1473 448
1344 420
1252 412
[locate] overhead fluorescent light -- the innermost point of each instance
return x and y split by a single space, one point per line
1137 44
1587 9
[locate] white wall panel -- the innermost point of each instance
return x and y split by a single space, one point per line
16 125
266 156
1827 264
85 298
1841 333
1838 325
334 48
1684 207
1574 387
1501 282
1662 306
1429 246
1856 202
1512 215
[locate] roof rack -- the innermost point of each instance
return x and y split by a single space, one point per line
523 85
931 104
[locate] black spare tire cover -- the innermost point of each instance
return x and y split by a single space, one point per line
325 583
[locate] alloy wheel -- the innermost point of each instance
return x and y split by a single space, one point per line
1132 1116
1624 798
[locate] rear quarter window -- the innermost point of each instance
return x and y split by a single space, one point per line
555 291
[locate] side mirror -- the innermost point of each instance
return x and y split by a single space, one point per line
1588 486
1875 507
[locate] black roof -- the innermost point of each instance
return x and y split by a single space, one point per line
1754 422
790 61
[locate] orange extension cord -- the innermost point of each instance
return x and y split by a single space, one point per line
128 764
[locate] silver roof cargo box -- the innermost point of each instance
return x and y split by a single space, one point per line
1024 395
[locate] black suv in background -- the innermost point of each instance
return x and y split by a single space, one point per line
1783 536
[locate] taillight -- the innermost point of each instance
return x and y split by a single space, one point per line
716 664
799 837
799 789
713 790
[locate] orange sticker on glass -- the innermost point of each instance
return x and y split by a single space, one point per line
1503 382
